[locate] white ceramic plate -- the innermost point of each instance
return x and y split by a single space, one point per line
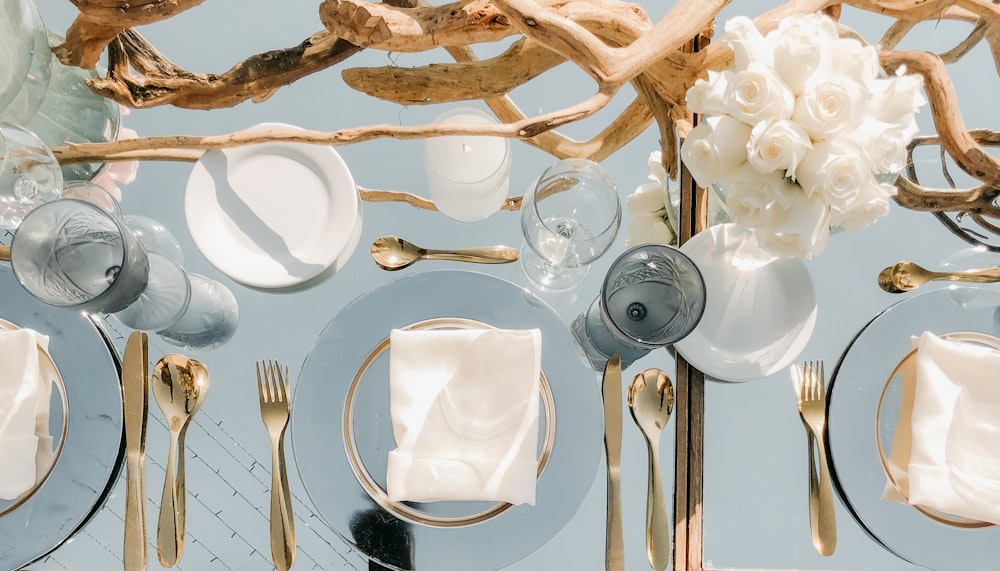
760 310
273 215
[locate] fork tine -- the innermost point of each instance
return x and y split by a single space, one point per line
260 386
276 382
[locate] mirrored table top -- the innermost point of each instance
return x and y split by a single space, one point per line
755 466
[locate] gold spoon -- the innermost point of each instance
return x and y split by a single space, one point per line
650 400
180 386
907 276
394 253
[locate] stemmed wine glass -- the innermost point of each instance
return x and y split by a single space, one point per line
29 174
652 296
569 218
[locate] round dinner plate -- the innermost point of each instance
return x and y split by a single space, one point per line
51 422
855 389
321 395
273 215
92 456
759 310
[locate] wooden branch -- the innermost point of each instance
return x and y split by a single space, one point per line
948 122
977 200
152 147
100 21
161 82
441 83
368 24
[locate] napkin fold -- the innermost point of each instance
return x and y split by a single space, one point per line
464 408
950 460
24 411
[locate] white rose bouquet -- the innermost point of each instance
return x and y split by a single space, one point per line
801 133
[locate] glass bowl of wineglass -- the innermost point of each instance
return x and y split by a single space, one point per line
569 218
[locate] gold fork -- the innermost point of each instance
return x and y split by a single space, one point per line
272 385
808 380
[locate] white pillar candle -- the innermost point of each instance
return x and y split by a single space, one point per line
467 175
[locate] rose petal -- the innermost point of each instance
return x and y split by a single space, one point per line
648 229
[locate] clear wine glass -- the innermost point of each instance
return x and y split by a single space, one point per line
29 174
569 218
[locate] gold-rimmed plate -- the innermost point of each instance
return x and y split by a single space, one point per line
900 408
442 536
50 428
436 514
856 388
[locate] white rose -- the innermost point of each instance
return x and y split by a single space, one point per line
777 146
647 199
884 144
799 43
896 100
835 171
757 94
872 203
801 230
715 148
705 96
648 229
747 43
749 196
829 105
848 56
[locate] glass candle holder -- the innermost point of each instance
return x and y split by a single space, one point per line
73 254
652 296
467 175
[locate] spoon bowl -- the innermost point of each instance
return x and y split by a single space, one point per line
394 253
180 386
650 401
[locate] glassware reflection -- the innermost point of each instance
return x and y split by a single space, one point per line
210 320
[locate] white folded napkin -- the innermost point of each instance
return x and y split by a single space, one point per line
464 408
954 449
24 405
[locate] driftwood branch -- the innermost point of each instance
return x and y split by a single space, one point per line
614 42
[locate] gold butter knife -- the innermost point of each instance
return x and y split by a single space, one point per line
614 559
135 398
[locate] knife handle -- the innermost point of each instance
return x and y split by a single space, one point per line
135 514
614 559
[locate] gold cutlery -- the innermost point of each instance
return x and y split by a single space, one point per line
650 401
809 380
907 276
614 559
394 253
180 386
275 407
135 399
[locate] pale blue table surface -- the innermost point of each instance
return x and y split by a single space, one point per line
755 484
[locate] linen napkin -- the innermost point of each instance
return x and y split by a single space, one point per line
950 460
24 406
464 408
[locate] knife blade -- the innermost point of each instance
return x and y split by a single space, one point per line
614 559
135 397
